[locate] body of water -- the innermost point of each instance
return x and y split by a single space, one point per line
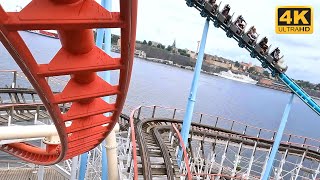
159 84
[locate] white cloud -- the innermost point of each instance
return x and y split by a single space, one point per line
166 20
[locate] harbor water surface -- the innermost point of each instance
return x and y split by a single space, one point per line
159 84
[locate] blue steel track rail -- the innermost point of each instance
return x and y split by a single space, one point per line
254 54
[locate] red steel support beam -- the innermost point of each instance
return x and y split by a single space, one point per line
79 58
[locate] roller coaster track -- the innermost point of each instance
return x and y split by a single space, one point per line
203 133
152 148
21 105
17 91
246 141
79 58
255 54
160 128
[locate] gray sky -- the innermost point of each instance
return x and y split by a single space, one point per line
166 20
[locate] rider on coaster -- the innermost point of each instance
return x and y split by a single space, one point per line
263 45
225 13
276 55
213 4
240 23
252 34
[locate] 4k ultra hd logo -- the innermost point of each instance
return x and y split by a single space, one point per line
294 20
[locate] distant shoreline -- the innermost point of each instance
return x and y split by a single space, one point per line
170 63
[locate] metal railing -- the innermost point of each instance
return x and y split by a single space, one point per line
14 77
232 128
213 176
149 112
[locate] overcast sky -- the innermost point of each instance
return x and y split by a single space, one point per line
166 20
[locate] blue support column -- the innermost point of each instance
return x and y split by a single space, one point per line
101 33
106 76
104 170
83 166
104 158
277 140
193 91
107 42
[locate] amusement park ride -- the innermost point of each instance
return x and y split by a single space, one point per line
84 126
79 58
211 11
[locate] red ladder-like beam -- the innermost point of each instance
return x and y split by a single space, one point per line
79 58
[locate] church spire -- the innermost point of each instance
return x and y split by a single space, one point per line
174 43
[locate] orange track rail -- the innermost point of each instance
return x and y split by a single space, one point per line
79 58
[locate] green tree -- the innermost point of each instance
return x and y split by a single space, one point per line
149 43
144 42
169 48
266 73
163 46
159 46
114 39
251 70
237 64
304 84
238 168
95 35
182 51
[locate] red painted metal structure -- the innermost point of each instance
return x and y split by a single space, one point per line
79 58
134 145
185 155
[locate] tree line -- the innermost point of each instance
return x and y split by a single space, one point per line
182 52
